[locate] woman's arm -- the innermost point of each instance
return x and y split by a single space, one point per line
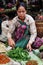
33 32
7 30
9 36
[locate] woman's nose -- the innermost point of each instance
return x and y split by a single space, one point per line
21 13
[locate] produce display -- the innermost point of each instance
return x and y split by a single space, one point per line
35 57
41 48
32 62
38 42
23 56
19 54
4 59
7 10
41 52
41 55
2 47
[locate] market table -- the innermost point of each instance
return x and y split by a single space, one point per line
15 62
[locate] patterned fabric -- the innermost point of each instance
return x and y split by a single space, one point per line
21 35
38 42
19 32
28 20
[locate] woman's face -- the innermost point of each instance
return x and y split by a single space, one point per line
21 12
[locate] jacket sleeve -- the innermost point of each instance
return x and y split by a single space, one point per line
33 31
7 30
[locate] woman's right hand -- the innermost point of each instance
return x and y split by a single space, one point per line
11 42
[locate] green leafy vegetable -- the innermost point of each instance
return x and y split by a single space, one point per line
41 48
19 54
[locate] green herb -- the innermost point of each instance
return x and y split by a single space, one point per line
19 54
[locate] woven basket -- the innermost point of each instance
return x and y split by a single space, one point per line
39 26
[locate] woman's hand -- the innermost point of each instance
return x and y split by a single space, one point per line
29 47
11 42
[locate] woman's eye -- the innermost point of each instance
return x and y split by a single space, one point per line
21 11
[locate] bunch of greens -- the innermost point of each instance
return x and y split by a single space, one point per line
41 48
19 54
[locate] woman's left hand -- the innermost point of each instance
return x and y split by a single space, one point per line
29 47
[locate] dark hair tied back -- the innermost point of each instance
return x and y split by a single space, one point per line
21 4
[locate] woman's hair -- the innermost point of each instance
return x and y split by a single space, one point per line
21 4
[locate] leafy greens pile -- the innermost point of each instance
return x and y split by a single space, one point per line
19 54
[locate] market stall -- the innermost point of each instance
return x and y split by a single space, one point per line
19 56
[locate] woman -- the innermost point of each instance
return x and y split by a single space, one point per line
23 30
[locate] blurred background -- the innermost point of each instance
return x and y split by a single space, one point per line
8 9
